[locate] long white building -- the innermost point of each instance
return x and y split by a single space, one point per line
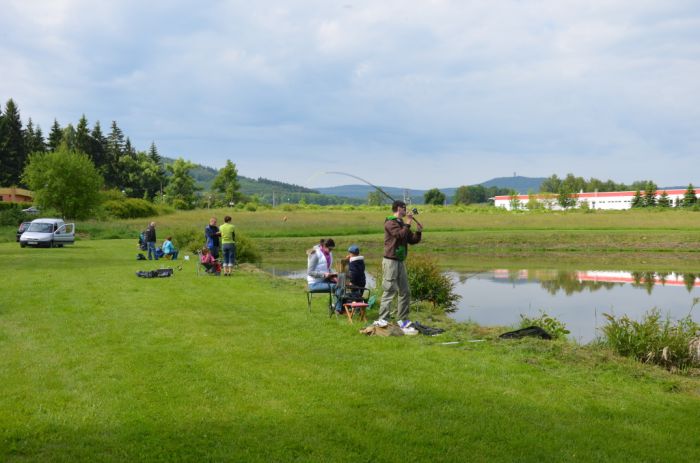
608 200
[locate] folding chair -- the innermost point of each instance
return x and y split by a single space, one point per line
310 293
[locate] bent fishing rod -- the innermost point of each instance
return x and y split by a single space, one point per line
414 210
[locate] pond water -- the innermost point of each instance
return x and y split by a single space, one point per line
577 298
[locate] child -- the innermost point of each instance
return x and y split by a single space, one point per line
356 267
208 261
169 249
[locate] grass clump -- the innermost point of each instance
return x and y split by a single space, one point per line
653 339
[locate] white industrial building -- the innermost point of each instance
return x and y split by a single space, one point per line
607 200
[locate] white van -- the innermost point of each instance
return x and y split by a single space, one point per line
48 233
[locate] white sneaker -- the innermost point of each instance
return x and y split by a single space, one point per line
409 331
381 323
405 323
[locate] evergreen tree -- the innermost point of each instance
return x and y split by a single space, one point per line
12 150
637 200
39 144
155 157
33 140
55 136
181 187
227 183
664 200
689 198
649 199
83 143
98 147
115 149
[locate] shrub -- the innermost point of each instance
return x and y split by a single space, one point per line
130 208
652 340
428 283
553 326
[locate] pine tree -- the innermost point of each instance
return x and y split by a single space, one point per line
98 147
115 149
12 150
689 198
227 182
664 200
55 136
650 195
637 199
82 137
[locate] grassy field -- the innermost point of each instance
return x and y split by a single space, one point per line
99 365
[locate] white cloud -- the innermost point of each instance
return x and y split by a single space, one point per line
459 90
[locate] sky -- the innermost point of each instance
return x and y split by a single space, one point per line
411 94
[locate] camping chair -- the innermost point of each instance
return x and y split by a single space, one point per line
310 293
354 299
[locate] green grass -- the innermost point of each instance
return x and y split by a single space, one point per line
98 365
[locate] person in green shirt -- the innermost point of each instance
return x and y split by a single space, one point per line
228 242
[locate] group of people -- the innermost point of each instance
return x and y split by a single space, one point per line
216 238
219 239
148 242
398 235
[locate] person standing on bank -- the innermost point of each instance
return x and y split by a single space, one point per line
212 234
397 237
151 241
228 243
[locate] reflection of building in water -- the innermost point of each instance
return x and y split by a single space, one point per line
571 282
666 279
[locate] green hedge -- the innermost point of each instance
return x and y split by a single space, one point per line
130 208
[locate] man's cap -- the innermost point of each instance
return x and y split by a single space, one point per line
354 249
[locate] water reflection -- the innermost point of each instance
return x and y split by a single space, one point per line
578 298
570 282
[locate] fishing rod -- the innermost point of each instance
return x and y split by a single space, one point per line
414 210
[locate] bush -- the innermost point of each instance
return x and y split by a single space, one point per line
551 325
428 283
652 340
130 208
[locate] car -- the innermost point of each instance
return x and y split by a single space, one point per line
31 210
22 228
48 233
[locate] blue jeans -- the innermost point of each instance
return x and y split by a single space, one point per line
152 250
229 254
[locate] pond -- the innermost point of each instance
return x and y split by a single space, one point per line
577 298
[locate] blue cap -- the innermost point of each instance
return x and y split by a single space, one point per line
354 249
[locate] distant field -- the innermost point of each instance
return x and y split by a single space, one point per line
459 237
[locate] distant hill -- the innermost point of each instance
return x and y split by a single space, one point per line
267 190
522 185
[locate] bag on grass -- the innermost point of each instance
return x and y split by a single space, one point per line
534 331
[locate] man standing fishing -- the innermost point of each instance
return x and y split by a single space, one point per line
397 237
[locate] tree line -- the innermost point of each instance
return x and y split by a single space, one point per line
74 163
